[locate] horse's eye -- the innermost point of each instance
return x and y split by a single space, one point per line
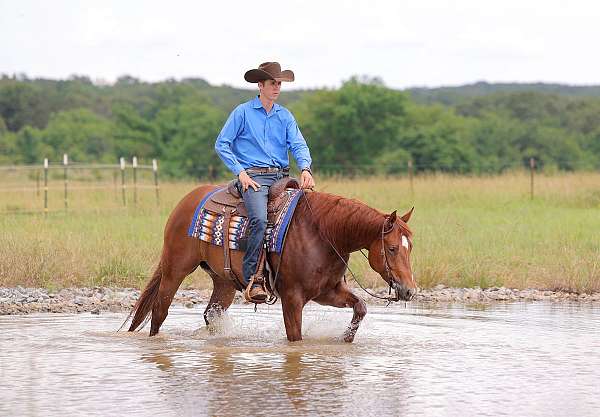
393 249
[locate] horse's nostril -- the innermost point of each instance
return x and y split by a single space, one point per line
402 291
408 294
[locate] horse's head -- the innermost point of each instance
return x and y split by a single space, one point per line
389 255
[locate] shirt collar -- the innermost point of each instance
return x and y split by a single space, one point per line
257 104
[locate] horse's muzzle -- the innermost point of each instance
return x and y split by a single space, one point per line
403 292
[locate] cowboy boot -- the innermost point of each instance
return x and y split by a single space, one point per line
255 291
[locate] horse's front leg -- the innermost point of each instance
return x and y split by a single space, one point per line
341 296
292 305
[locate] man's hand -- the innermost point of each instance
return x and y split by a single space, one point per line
246 181
306 180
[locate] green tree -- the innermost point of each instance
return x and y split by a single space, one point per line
30 147
553 147
493 139
438 140
350 127
134 135
7 145
85 136
188 132
591 147
21 105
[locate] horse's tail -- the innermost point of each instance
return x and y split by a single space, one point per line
144 304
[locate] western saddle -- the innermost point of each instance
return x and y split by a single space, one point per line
228 201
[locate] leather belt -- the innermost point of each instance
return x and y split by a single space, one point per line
267 170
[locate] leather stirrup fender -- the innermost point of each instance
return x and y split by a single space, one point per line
226 258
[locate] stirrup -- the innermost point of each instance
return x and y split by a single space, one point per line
263 294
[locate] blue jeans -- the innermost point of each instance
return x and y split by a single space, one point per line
256 205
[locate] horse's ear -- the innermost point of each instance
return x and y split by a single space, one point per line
391 219
406 217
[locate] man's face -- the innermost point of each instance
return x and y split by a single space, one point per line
269 89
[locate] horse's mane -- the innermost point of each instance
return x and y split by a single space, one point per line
343 221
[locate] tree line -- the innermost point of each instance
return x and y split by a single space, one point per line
363 126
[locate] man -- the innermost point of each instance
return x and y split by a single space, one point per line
254 145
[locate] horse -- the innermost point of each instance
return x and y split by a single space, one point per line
324 231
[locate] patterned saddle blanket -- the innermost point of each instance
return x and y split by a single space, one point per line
208 225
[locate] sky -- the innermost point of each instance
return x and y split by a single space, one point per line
427 43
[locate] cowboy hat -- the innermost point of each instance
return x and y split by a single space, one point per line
268 71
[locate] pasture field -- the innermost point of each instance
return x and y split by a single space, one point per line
468 231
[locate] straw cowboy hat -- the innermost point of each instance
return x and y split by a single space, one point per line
268 71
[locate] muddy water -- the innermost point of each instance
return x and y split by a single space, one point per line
506 359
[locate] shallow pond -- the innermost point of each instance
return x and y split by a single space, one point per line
502 359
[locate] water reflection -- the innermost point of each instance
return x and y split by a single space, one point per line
235 381
292 375
163 362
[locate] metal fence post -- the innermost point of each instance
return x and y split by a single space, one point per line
532 169
66 165
122 162
45 186
135 164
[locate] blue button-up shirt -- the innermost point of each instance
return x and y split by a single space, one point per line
252 137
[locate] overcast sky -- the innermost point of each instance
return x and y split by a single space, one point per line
406 43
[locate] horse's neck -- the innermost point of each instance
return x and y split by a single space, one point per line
363 233
349 224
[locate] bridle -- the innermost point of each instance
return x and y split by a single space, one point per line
389 277
388 270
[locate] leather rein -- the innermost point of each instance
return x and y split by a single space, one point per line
388 274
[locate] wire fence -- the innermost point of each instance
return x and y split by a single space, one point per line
53 186
67 185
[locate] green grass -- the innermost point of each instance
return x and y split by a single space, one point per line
468 231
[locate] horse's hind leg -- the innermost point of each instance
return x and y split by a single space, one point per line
341 296
172 276
221 298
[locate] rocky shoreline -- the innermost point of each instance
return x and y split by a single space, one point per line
20 300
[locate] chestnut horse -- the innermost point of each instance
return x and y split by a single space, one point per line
323 232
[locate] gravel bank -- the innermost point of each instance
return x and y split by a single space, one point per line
20 300
442 294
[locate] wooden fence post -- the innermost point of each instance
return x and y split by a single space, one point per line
45 186
532 169
66 165
155 169
134 180
122 162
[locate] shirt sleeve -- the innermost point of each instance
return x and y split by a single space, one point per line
297 145
231 130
